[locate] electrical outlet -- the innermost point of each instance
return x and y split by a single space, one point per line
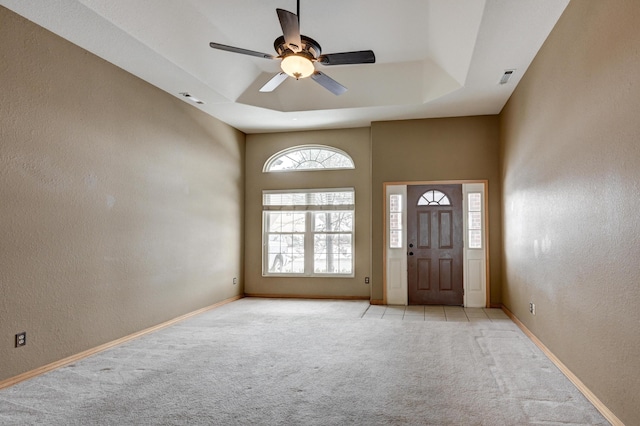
21 339
366 280
235 281
532 308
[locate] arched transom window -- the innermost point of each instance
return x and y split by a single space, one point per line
433 197
309 157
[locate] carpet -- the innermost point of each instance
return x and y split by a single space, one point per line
307 362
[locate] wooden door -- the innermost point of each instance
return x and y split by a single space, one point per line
435 244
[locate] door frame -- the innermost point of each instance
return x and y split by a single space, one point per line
385 236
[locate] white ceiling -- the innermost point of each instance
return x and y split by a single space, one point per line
434 58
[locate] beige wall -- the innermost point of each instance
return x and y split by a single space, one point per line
121 206
115 196
464 148
260 147
571 169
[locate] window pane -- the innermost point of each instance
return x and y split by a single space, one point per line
324 198
337 198
475 202
333 221
395 220
285 222
333 254
434 198
395 239
338 161
285 253
284 199
395 203
310 165
475 238
475 220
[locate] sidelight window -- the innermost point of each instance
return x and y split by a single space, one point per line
395 221
474 220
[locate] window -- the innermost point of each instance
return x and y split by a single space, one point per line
434 197
308 232
395 221
474 220
308 157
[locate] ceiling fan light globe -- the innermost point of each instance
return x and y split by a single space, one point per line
297 66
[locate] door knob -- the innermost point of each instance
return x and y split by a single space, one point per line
410 253
411 245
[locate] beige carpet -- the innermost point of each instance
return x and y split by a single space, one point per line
302 362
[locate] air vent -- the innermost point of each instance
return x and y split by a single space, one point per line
191 98
506 76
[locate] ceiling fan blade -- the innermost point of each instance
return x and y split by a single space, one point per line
347 58
328 83
290 29
240 50
272 84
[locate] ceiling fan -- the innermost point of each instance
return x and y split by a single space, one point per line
298 54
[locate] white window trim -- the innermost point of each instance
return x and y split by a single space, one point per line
309 232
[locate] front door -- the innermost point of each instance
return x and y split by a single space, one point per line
435 244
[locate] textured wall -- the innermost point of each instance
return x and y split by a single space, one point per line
259 148
464 148
571 169
121 206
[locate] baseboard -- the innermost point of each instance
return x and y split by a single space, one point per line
376 302
77 357
608 414
303 296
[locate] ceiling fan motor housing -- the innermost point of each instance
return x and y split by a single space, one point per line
310 48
